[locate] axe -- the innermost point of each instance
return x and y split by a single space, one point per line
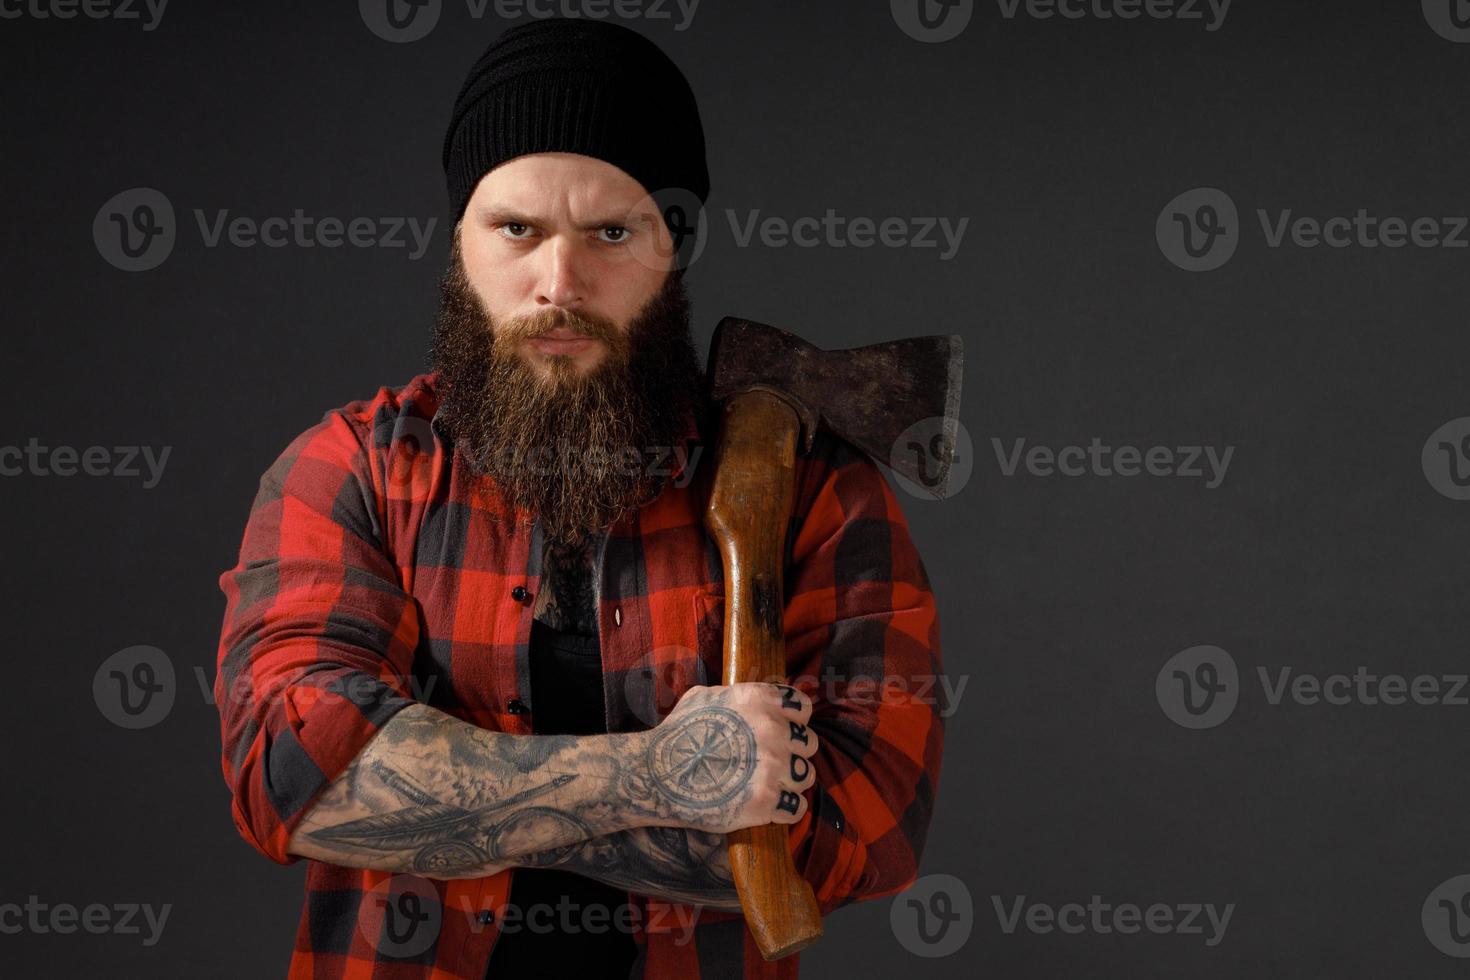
776 388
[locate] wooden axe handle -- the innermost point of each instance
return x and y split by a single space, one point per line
749 509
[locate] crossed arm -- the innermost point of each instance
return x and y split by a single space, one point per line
438 797
314 607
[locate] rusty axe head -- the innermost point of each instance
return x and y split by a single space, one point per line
868 395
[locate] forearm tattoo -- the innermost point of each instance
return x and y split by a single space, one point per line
672 864
436 796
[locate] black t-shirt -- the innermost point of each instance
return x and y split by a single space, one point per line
566 697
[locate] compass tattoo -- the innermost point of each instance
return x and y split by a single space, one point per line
705 760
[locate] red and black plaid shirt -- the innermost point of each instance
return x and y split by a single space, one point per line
377 571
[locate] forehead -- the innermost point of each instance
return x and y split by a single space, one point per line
551 183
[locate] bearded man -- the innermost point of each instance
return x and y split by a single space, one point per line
468 650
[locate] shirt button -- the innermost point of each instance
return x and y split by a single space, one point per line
837 822
618 616
486 917
515 706
519 593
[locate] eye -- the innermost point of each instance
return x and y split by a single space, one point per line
615 234
514 229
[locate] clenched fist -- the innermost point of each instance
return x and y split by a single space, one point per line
735 756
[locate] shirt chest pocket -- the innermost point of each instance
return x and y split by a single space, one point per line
677 666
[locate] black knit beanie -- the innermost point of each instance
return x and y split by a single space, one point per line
577 86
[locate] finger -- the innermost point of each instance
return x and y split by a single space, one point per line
790 805
801 773
795 701
801 739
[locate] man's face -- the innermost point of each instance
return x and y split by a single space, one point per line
561 248
562 341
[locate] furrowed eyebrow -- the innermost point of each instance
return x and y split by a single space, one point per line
503 217
612 221
500 216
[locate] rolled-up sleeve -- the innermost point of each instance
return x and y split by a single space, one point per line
316 649
862 637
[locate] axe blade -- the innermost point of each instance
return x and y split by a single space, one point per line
871 396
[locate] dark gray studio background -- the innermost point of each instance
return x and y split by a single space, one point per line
1335 543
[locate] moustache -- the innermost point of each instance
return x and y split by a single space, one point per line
532 325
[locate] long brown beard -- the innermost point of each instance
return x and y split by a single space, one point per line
575 450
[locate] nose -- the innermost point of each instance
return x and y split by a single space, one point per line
561 280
